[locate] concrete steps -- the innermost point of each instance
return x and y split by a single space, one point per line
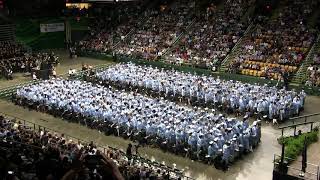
236 49
301 74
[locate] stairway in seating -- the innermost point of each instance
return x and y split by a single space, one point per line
141 20
301 74
236 49
7 32
177 40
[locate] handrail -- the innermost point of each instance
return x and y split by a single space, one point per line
104 148
142 18
316 173
304 116
176 41
299 124
299 76
224 62
276 155
295 125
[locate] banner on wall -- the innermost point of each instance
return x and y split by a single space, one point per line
53 27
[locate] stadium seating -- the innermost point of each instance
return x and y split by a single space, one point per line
29 153
109 29
278 44
313 71
213 35
160 28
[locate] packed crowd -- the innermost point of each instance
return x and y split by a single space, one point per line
198 133
27 63
158 31
277 45
108 30
313 71
212 36
9 49
212 92
26 153
14 58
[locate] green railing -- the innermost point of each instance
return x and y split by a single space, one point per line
235 48
300 76
177 40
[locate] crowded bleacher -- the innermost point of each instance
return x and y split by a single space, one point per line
313 71
212 37
108 30
194 132
160 28
28 153
165 74
278 44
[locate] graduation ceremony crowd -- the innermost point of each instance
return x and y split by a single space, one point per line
154 29
197 133
111 27
234 97
15 59
214 34
31 154
203 118
313 71
160 27
277 45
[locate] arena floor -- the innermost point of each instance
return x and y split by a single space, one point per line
256 165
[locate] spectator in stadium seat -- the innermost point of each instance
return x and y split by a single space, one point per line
212 36
29 154
277 45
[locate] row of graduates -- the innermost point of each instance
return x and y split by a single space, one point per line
220 151
261 108
196 131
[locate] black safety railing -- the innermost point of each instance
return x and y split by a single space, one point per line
302 123
305 117
36 127
312 171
